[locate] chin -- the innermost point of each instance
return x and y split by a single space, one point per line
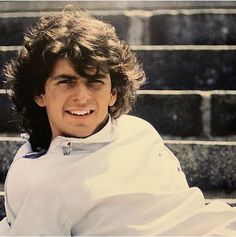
80 134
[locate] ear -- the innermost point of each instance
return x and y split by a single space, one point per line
40 100
113 97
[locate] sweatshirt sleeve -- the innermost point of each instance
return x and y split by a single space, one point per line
43 213
168 170
23 150
4 224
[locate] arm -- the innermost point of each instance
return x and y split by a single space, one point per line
4 227
42 213
5 224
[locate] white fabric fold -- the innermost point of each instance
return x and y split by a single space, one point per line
122 180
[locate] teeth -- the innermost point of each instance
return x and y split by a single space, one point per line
79 113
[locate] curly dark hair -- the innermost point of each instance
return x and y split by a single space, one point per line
84 41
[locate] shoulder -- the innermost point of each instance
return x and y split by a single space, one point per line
133 121
131 124
25 151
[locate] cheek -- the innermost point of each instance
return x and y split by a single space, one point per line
54 96
54 105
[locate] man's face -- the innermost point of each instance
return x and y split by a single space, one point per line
76 106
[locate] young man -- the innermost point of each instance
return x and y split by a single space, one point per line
88 169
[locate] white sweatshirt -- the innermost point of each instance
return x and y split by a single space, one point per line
119 181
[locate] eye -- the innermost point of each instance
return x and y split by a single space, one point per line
67 81
95 82
98 81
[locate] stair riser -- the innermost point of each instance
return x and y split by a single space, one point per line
179 69
208 166
160 27
13 28
189 69
172 114
176 115
198 28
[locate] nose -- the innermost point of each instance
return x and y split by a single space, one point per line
81 92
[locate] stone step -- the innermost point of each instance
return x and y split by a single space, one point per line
2 208
8 149
188 67
21 6
209 165
176 67
194 26
149 27
15 24
175 114
189 113
6 53
8 119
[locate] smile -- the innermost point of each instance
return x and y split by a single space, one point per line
80 112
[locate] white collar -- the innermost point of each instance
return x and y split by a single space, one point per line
106 135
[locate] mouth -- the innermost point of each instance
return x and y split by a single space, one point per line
80 113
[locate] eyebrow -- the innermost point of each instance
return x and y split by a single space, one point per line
63 76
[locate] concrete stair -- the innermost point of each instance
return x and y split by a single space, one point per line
188 52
